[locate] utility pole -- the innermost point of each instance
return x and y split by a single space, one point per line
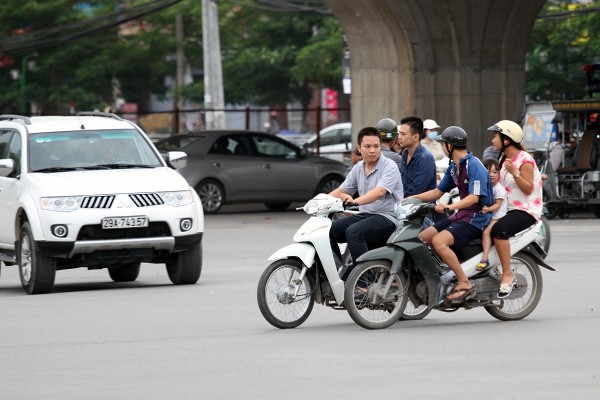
180 77
213 76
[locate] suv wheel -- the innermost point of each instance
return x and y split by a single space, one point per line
36 270
184 267
124 273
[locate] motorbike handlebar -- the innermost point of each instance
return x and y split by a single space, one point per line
351 206
431 208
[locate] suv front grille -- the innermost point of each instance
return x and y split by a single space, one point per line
95 232
97 201
146 199
139 199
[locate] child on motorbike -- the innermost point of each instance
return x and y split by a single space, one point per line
498 209
468 174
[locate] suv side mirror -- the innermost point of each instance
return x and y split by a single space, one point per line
176 159
7 167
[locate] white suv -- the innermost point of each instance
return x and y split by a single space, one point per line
92 191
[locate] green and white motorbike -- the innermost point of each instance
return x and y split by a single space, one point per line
408 270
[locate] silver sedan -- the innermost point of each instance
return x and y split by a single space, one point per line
228 166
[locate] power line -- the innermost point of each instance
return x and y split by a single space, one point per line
567 14
66 33
286 6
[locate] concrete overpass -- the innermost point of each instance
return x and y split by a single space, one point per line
461 62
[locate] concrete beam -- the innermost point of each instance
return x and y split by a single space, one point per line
461 62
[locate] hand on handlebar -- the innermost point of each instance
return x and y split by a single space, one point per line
442 208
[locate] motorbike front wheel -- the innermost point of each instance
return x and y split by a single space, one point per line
528 273
278 301
366 299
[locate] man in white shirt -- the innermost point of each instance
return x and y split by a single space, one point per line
430 132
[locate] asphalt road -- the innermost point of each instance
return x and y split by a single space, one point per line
95 339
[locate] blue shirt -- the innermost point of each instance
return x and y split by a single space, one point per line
384 174
472 178
418 175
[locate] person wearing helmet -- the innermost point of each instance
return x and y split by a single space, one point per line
377 182
417 166
471 178
389 132
430 134
388 129
521 177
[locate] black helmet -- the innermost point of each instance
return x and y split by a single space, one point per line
388 128
455 135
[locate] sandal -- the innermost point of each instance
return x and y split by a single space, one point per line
506 289
468 292
483 264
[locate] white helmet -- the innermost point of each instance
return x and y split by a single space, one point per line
430 124
508 128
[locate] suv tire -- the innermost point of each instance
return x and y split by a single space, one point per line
124 273
184 268
36 270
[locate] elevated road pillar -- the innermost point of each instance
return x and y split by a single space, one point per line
461 62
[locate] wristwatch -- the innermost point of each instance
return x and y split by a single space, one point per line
518 174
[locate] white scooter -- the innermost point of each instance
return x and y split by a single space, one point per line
305 271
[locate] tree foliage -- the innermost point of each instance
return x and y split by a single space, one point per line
563 40
268 56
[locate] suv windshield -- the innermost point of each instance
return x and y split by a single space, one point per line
60 151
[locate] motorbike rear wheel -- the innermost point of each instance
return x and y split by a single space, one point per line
276 300
364 297
528 273
412 313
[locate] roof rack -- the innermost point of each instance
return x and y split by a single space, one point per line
98 114
10 117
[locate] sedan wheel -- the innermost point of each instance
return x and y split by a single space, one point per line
212 195
329 183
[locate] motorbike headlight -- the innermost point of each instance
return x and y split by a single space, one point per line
311 207
177 199
62 204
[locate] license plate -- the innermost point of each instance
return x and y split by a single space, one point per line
137 221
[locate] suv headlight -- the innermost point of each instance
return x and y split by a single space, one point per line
177 199
63 204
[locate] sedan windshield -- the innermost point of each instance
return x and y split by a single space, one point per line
105 149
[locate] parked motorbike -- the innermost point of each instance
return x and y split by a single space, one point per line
306 271
406 269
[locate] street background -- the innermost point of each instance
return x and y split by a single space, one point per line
95 339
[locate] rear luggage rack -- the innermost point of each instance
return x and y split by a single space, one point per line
10 117
98 114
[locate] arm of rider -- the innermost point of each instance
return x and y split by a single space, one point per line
371 196
468 201
429 195
493 208
523 177
337 192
